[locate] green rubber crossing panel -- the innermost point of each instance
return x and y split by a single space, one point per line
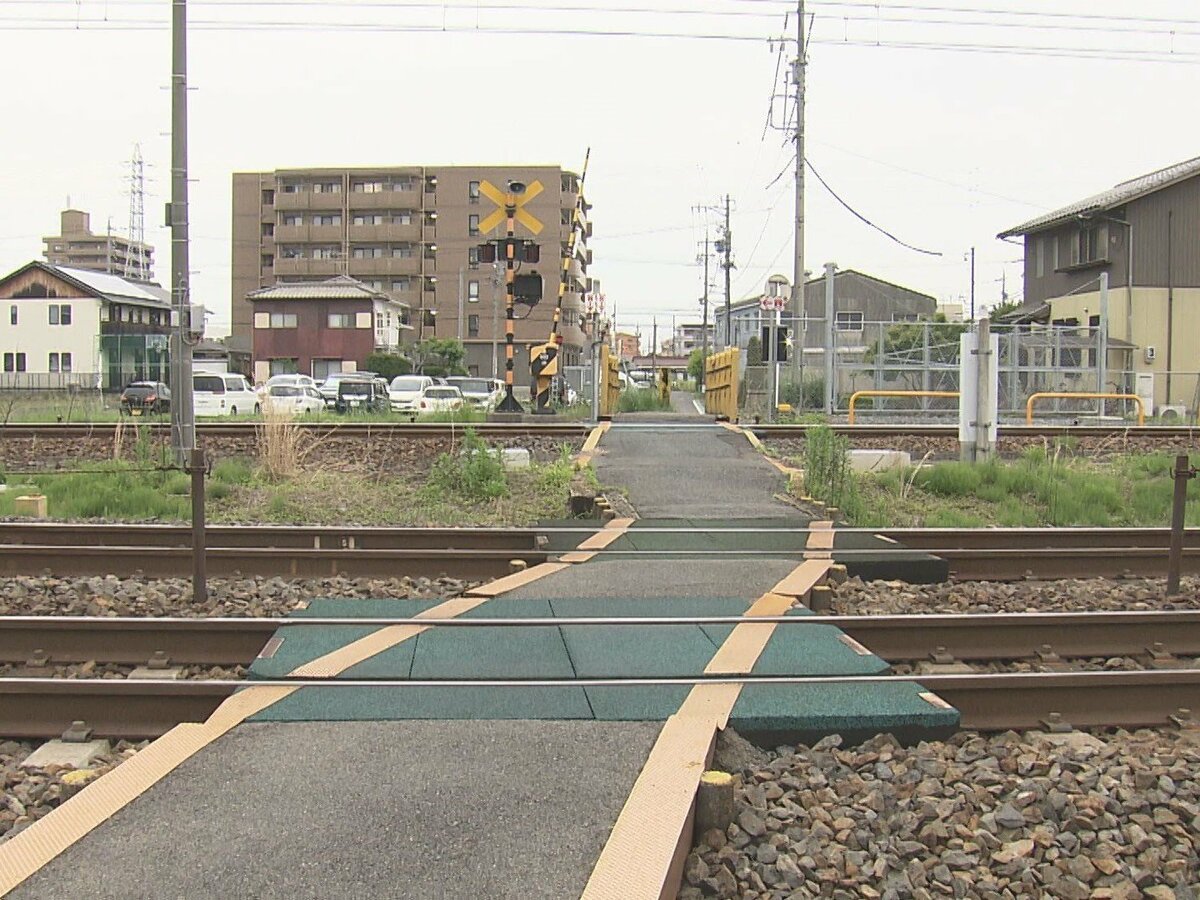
787 536
495 652
636 702
776 714
304 643
565 541
912 566
813 649
366 704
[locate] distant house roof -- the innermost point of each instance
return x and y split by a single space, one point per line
753 299
341 287
1110 199
103 286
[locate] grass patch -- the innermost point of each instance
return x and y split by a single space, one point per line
642 400
1039 489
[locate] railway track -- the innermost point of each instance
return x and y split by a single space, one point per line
163 551
363 430
40 707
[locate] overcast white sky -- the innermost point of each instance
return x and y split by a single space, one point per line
942 148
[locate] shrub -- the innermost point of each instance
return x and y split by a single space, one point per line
475 473
827 474
389 365
642 400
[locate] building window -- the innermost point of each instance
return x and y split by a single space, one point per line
326 252
327 187
373 219
472 291
404 251
66 362
14 362
1089 246
268 261
473 224
293 219
284 320
268 198
472 326
402 217
404 183
323 368
290 189
849 321
368 252
1041 257
401 284
12 314
53 362
473 191
283 366
368 187
473 257
268 229
375 284
905 317
341 320
53 314
334 219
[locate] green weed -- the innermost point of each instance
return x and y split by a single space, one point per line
642 400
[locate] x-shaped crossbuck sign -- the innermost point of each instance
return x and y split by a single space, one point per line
501 199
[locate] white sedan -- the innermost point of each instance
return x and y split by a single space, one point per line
293 400
439 398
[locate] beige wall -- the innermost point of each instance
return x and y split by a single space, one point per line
1149 324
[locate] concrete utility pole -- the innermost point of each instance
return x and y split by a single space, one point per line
704 323
798 76
830 337
183 422
972 284
727 244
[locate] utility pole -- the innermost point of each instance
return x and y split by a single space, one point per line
972 284
183 422
704 323
654 347
799 68
727 245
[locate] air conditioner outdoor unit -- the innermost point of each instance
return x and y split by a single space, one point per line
1175 412
1151 354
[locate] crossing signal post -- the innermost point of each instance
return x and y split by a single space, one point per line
509 210
775 341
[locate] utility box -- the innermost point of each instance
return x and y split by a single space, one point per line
31 505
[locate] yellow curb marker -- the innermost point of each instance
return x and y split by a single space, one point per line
645 852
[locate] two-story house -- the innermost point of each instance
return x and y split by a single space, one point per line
323 327
62 327
1145 234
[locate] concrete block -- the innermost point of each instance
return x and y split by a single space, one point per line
515 458
145 673
61 753
879 460
33 505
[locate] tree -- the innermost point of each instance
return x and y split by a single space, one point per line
696 364
904 349
754 353
1003 309
388 365
440 356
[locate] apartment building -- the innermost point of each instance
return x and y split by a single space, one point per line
412 232
78 248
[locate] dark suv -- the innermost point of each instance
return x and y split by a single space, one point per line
145 398
361 395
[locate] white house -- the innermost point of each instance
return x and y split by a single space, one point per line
62 327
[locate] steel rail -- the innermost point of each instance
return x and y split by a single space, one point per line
860 429
41 707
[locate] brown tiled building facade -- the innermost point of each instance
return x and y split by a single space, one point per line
410 232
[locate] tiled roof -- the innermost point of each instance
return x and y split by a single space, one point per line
1121 194
342 287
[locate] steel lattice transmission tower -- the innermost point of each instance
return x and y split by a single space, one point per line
137 265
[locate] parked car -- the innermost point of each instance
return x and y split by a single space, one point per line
361 395
440 398
294 380
329 387
145 397
293 399
224 394
478 392
405 390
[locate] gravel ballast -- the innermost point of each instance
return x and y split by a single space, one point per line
1114 816
856 597
254 597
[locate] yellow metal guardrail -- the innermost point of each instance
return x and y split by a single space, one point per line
1075 395
610 383
854 397
721 384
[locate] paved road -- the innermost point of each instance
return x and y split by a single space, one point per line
691 471
367 810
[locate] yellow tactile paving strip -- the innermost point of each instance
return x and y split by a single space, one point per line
37 845
643 857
